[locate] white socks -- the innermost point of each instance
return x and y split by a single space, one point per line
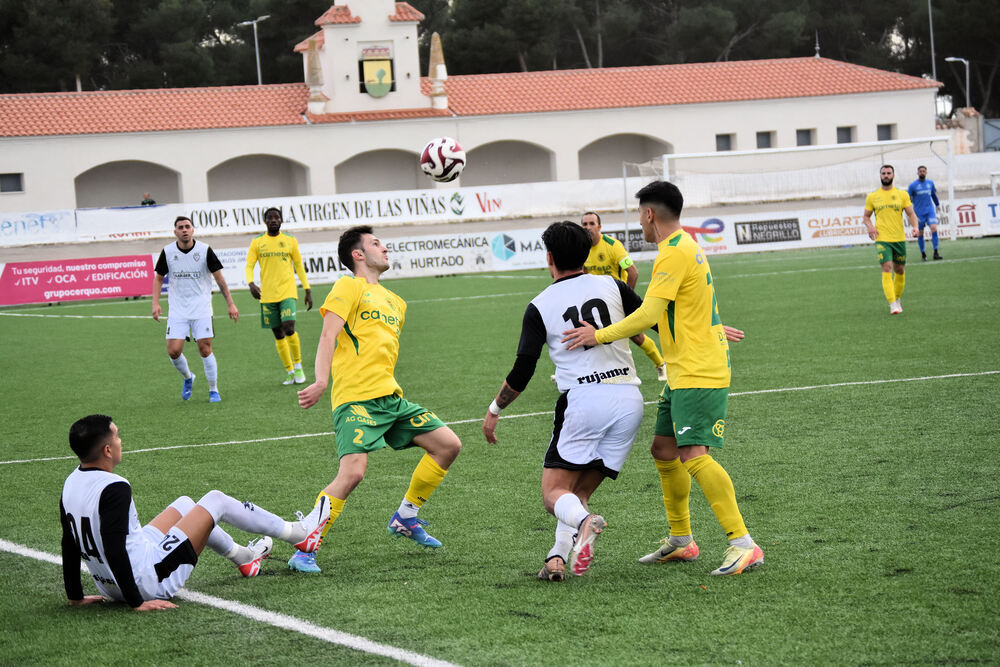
744 542
211 371
245 516
570 510
181 364
407 510
564 541
219 540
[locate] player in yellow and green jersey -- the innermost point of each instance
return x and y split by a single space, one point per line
279 259
888 204
608 257
691 413
359 346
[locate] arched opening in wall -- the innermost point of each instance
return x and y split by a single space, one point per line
503 162
257 176
125 183
380 170
603 158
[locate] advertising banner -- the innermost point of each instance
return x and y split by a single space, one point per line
41 227
735 232
75 280
335 212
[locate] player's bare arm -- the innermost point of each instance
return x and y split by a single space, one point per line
913 220
333 324
309 300
254 291
631 276
220 280
872 232
504 397
157 288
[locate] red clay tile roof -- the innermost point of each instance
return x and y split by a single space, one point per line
338 14
562 90
469 95
304 44
405 12
116 111
359 116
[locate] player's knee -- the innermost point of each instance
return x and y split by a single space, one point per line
183 505
211 499
453 445
351 478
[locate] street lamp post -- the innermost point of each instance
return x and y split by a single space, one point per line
965 62
256 48
930 21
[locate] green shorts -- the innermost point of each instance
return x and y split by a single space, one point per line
891 251
274 313
692 416
367 426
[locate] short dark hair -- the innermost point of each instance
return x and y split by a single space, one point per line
593 213
86 434
275 209
569 244
350 241
664 193
889 166
182 217
918 168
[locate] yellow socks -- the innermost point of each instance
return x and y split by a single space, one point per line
718 489
286 357
900 282
294 349
888 288
676 484
336 507
426 477
649 347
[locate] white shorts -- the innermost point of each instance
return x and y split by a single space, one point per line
170 561
179 329
594 428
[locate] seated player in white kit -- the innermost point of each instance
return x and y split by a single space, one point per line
145 566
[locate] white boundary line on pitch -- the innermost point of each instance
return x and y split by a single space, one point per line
819 269
271 618
82 317
525 414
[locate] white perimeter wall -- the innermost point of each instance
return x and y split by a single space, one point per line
50 164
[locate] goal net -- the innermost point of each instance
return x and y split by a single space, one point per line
829 172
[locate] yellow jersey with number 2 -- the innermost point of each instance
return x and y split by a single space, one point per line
691 335
364 362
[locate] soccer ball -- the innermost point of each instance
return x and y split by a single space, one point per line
442 159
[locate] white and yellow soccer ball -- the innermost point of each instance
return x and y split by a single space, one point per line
442 159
